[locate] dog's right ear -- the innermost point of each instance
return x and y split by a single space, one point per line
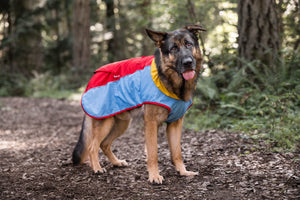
157 36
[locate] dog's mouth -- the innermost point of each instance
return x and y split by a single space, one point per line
189 74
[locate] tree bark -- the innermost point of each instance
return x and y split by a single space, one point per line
194 19
116 25
111 27
258 31
81 35
26 50
145 9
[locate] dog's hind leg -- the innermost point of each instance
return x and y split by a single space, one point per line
118 129
100 129
174 138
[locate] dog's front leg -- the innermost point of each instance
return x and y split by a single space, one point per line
152 158
174 139
154 116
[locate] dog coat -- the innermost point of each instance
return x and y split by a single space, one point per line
128 84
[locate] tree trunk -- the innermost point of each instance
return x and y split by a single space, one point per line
111 27
26 51
258 31
194 19
123 47
146 14
81 35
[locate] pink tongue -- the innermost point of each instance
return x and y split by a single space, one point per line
188 75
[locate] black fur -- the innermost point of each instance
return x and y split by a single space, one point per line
79 148
185 51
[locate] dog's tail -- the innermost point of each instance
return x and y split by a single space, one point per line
80 152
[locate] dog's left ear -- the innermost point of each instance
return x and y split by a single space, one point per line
194 28
157 36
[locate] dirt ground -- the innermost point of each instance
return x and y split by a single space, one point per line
37 137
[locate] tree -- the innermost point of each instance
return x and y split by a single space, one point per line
57 18
24 40
146 22
111 27
116 26
258 31
289 23
81 35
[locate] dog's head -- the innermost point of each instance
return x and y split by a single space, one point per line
179 49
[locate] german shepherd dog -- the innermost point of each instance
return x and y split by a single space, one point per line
178 61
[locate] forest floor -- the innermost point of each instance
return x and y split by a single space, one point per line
37 137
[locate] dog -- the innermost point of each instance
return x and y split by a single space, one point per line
163 84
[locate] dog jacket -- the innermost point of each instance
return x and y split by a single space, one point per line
128 84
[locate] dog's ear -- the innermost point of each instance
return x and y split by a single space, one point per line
156 36
195 29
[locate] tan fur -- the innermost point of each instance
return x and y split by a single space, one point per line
154 116
100 129
105 131
101 133
174 81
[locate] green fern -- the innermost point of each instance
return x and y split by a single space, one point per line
255 99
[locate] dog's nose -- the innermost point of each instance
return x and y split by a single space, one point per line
187 61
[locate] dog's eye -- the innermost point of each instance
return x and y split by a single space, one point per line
189 44
174 48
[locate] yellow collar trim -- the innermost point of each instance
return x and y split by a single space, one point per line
158 83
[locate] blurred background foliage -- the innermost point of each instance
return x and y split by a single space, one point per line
49 48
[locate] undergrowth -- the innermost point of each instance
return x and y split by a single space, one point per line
264 104
63 86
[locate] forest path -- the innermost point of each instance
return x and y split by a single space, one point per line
37 137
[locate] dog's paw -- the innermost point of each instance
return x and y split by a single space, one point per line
156 179
99 170
121 163
188 173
